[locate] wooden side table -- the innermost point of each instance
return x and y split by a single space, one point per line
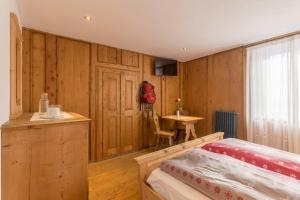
188 121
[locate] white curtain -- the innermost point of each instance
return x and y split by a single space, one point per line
273 94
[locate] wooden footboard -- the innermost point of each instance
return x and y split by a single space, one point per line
147 163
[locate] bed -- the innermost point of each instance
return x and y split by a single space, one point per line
149 162
201 168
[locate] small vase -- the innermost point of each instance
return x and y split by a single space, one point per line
178 113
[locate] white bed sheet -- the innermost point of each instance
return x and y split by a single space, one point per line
172 189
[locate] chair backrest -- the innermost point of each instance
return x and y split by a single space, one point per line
156 122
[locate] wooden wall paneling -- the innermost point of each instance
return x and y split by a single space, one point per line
140 113
15 67
73 69
148 75
163 96
172 92
225 86
107 54
130 111
51 64
164 124
195 91
99 114
210 116
181 78
119 56
26 67
93 113
38 60
130 58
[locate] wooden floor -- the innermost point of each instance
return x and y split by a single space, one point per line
115 179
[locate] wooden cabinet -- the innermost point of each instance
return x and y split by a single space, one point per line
107 54
45 160
130 58
117 108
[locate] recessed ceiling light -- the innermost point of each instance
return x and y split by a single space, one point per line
88 18
185 49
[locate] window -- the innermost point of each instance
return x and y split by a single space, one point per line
273 93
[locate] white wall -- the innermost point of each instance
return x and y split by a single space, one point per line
6 6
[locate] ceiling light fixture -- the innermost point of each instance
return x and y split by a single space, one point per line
88 18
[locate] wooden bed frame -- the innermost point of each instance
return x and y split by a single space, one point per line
147 163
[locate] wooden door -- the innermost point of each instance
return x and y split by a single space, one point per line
108 112
117 112
129 111
73 69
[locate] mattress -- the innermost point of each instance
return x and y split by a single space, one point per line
172 189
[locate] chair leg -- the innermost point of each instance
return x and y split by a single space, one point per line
170 141
176 137
157 142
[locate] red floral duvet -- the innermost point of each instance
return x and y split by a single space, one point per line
261 156
223 177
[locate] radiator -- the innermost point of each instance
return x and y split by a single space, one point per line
226 122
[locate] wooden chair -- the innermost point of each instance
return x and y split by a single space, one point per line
160 134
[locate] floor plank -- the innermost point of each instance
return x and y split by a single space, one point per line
115 179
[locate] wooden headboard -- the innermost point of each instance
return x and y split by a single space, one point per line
147 163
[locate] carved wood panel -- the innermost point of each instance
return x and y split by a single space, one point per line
130 58
111 114
107 54
129 111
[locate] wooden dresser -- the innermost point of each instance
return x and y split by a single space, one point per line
45 160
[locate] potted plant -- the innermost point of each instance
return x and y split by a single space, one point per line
179 106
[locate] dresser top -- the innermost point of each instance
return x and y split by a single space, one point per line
24 121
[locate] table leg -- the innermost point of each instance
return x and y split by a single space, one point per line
193 131
187 132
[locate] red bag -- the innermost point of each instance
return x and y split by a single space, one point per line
147 94
147 98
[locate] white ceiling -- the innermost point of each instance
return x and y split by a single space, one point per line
164 27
